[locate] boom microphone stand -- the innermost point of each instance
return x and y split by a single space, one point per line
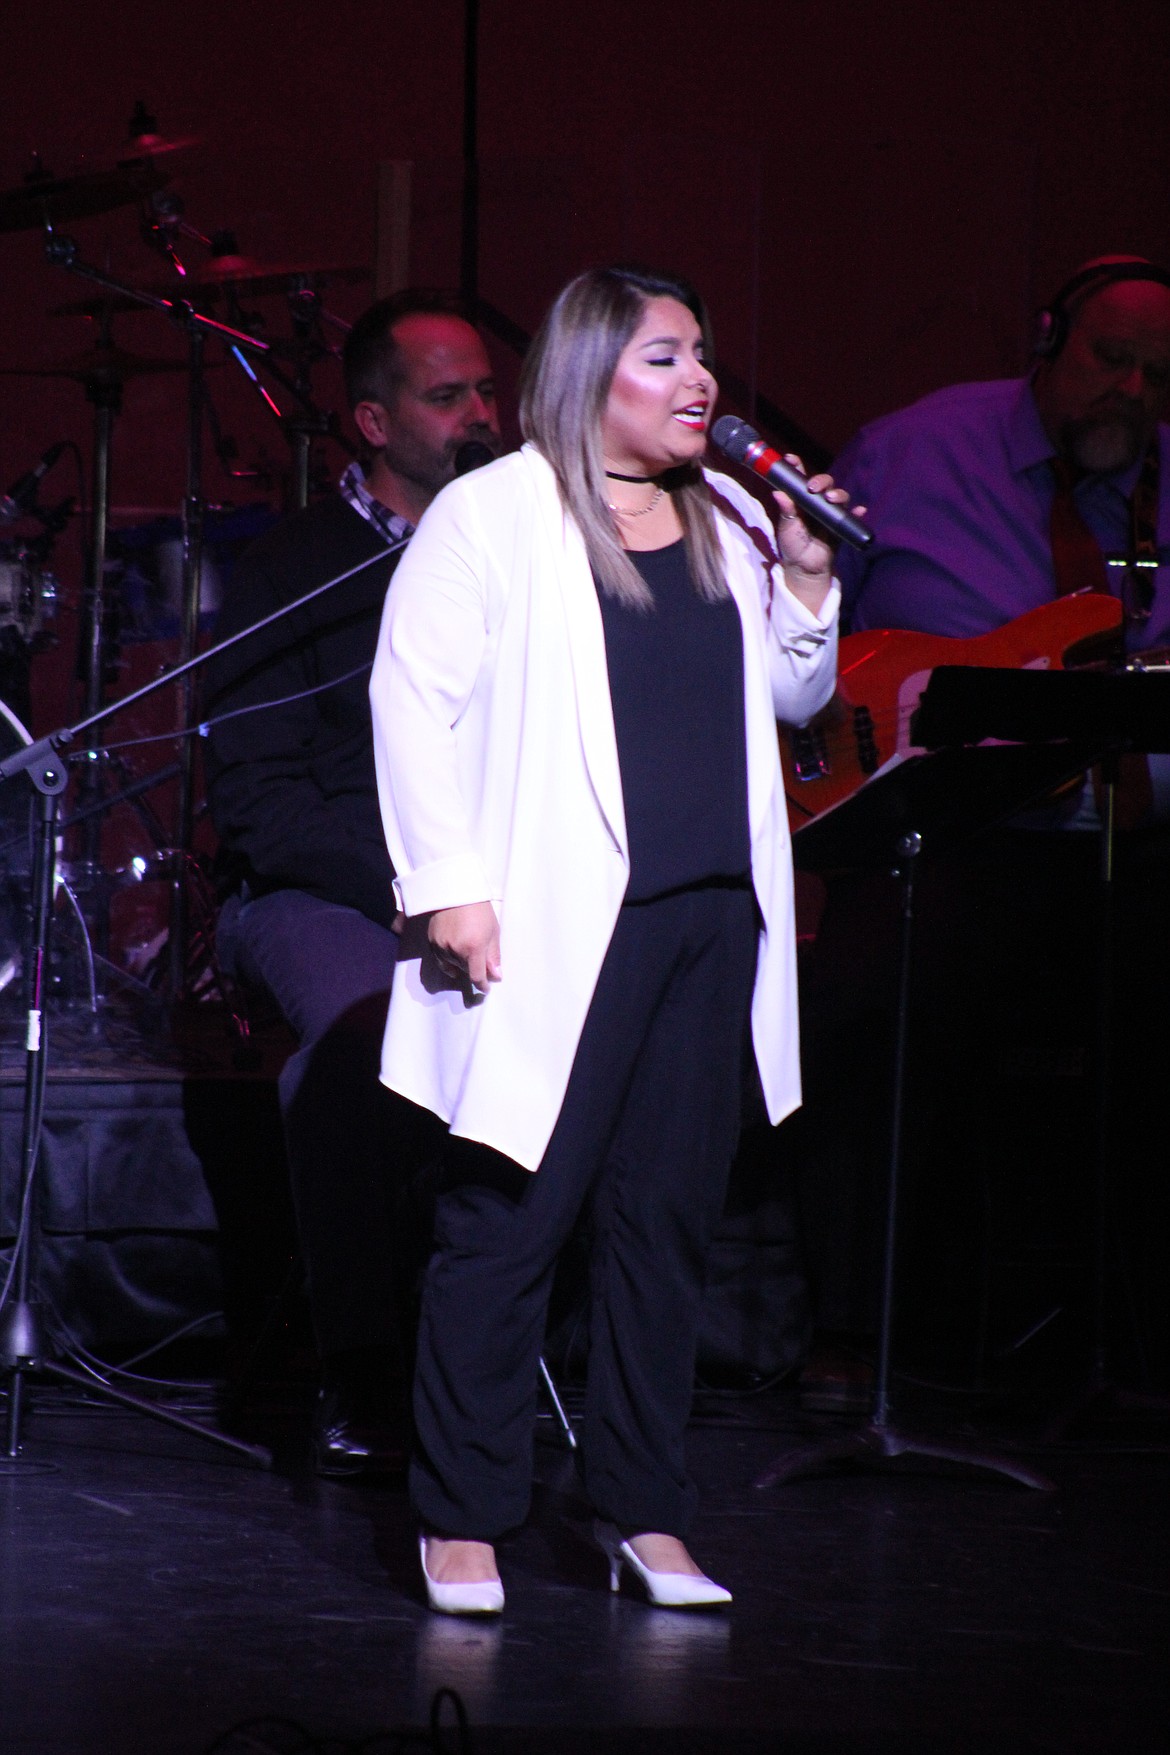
22 1332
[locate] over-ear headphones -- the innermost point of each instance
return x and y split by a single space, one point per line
1054 321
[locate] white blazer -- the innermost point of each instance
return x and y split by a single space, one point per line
498 779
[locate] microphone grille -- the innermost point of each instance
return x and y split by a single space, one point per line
473 454
733 436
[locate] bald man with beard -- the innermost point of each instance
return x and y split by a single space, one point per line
962 488
960 485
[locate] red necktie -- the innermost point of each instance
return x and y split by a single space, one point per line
1077 561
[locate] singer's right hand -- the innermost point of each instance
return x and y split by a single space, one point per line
466 943
805 550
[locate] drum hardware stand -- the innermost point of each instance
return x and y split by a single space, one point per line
307 346
53 520
228 454
22 1335
63 251
163 220
103 883
305 309
131 793
301 427
36 597
194 517
104 391
301 430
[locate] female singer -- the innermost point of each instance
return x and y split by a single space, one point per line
581 662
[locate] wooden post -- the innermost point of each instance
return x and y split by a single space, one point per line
392 243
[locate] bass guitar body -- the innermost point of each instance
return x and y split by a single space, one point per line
866 723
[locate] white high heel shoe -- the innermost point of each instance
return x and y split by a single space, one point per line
484 1596
666 1590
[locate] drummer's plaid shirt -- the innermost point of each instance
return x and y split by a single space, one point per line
352 488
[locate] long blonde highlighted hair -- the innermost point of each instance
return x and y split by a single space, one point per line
564 388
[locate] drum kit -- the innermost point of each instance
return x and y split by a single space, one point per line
209 291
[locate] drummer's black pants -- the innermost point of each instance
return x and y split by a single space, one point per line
329 970
645 1137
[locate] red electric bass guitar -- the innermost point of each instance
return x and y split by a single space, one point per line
880 676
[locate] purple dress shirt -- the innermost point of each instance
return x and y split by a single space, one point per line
959 487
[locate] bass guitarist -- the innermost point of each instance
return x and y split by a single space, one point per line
990 502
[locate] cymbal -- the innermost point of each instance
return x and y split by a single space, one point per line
98 364
222 273
40 198
259 277
148 148
145 139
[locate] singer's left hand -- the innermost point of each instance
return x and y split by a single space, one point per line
805 548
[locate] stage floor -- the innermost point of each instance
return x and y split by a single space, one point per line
155 1593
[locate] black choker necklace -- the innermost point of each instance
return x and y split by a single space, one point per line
613 475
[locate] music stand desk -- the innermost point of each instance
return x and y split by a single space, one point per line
983 745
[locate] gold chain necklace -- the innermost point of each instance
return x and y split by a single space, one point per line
642 511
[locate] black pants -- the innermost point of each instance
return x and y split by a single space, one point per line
646 1134
329 970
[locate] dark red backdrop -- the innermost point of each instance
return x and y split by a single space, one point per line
873 197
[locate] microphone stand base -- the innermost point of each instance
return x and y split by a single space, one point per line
876 1445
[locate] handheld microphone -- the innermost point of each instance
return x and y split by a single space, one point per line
744 445
473 454
23 491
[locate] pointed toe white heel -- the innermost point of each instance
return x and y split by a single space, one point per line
666 1590
482 1597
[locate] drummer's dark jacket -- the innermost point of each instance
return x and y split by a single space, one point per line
291 788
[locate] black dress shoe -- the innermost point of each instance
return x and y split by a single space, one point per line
350 1444
360 1424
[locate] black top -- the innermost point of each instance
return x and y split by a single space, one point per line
676 683
292 789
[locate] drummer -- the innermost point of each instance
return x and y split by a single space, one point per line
293 796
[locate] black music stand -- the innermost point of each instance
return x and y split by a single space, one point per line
1121 710
954 782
